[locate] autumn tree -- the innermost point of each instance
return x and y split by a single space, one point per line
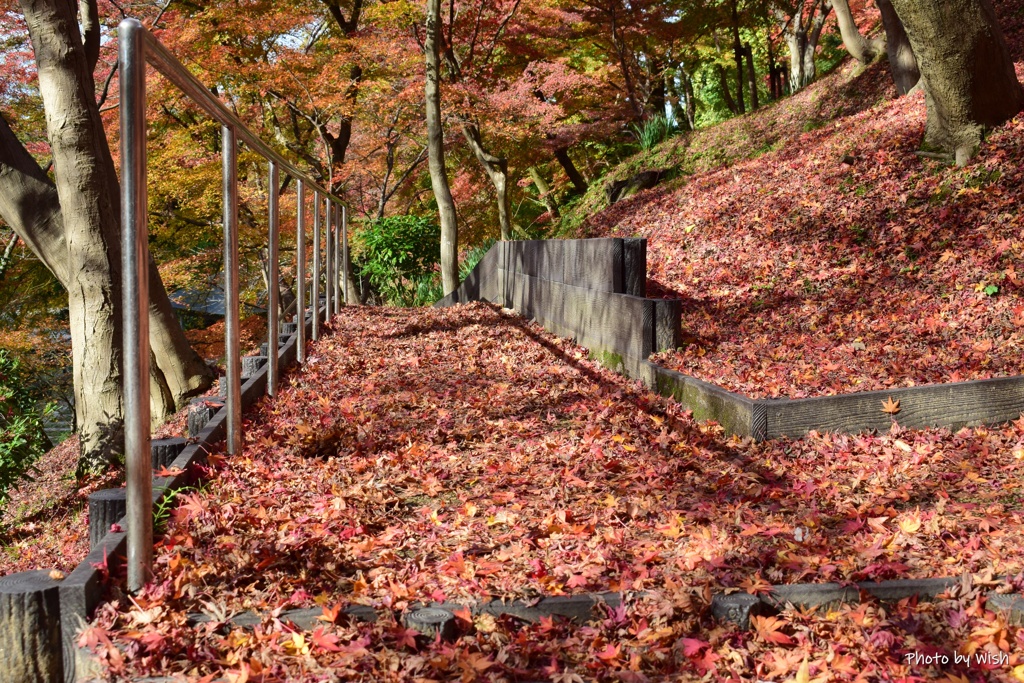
802 23
902 62
861 48
72 223
435 148
966 70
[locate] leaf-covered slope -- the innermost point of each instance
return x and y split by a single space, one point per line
463 454
840 260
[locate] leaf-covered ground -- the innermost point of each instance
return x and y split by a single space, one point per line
839 260
45 524
463 454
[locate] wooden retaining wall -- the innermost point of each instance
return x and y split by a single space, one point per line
593 291
954 405
590 290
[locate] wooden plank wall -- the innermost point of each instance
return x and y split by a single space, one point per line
588 290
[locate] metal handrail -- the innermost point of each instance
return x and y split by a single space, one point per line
136 47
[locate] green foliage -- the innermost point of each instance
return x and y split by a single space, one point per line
398 253
428 287
22 439
654 131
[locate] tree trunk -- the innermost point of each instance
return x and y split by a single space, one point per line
902 61
774 73
575 177
622 52
7 256
435 151
89 210
675 99
723 83
691 103
966 70
658 86
864 50
752 78
544 192
496 169
88 192
30 205
802 39
737 51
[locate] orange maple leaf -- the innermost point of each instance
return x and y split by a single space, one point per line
769 628
890 406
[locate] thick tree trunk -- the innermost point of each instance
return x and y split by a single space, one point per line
966 70
579 183
544 192
902 61
30 205
864 50
802 35
496 169
435 151
88 192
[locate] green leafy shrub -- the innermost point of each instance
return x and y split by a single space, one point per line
428 287
22 439
398 252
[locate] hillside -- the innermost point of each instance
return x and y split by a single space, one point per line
817 253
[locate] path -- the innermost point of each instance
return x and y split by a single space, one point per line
462 453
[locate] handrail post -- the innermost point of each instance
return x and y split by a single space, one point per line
137 47
300 270
316 265
337 259
273 277
344 250
232 341
328 259
135 299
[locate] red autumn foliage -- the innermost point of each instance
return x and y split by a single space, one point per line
839 260
463 454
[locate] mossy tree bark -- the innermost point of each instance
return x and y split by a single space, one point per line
966 70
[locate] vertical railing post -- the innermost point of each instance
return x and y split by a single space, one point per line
328 258
344 251
300 270
273 278
337 258
232 314
316 264
135 299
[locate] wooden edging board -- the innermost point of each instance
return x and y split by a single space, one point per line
82 590
582 608
954 405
